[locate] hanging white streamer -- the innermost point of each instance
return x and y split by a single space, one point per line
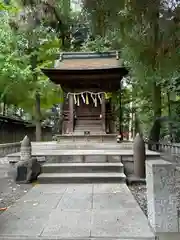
78 102
75 99
94 98
99 96
85 92
83 98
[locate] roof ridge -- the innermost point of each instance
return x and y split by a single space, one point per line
88 55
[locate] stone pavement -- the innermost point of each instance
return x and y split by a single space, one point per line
84 211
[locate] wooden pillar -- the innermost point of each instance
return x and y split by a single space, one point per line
103 113
120 112
71 114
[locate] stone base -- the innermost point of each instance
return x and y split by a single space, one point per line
130 180
27 171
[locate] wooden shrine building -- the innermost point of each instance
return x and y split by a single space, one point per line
86 78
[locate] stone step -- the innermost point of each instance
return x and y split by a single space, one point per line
92 131
82 167
80 132
94 137
88 127
81 177
88 122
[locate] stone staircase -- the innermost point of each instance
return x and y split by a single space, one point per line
93 126
82 173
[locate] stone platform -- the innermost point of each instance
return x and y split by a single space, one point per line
46 151
85 211
98 137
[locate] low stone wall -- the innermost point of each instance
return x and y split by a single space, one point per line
8 148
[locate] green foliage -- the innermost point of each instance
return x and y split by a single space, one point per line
147 33
98 45
14 65
18 47
102 15
149 38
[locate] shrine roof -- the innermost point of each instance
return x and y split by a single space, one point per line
88 60
83 70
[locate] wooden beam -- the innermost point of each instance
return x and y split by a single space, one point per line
103 112
71 114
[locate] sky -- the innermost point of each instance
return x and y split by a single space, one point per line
76 5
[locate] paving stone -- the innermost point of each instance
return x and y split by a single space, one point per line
50 188
69 213
121 223
27 222
68 224
112 201
84 188
106 188
41 200
76 201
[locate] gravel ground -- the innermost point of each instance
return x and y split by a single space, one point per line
139 193
10 192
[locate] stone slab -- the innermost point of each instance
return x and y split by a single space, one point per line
88 211
123 223
76 201
112 201
69 224
90 152
161 178
40 200
50 188
23 221
80 188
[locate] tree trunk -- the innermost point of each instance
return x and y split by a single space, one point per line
4 106
33 42
157 110
170 118
154 136
101 23
156 88
38 118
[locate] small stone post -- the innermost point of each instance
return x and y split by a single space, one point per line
162 179
24 166
26 149
27 169
139 156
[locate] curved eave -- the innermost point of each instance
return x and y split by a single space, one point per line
107 78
